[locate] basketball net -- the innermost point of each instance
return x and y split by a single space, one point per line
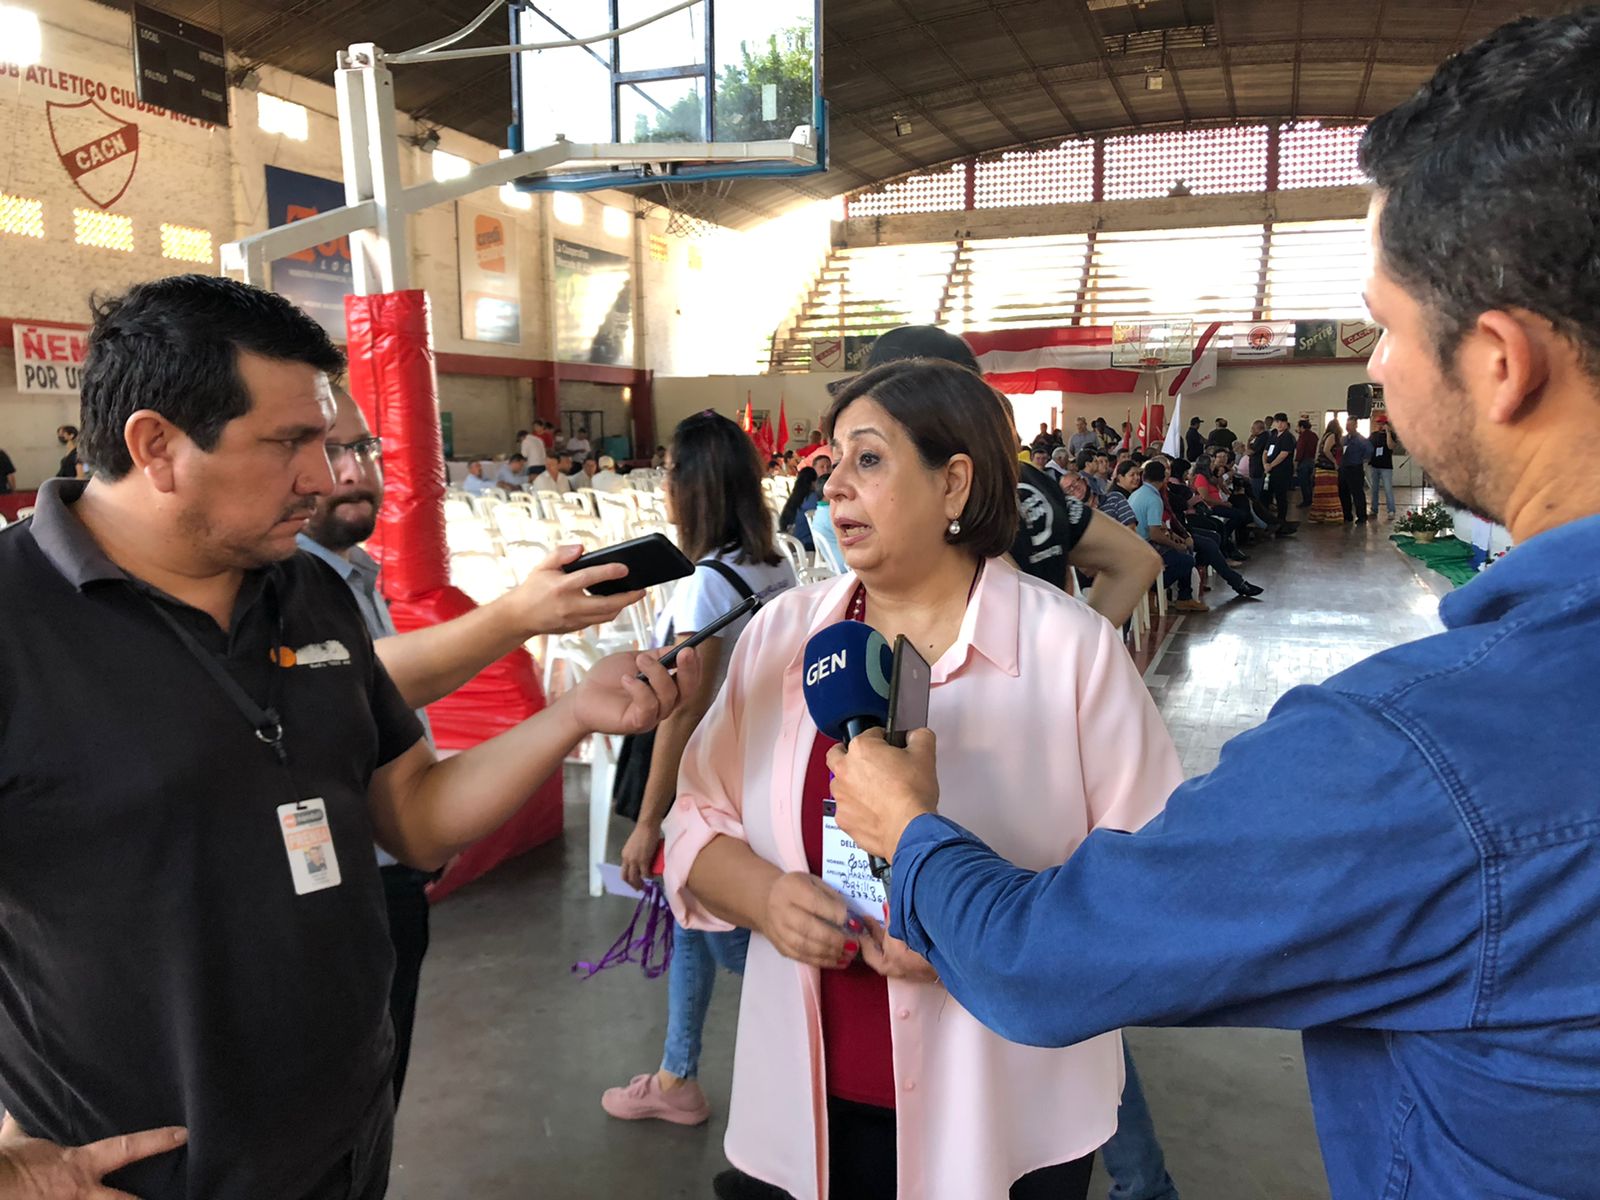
693 205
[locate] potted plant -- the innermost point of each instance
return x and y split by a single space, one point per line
1427 522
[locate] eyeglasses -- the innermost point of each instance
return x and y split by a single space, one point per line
368 450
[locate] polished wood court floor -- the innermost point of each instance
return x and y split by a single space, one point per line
512 1050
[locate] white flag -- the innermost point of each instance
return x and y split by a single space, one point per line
1173 445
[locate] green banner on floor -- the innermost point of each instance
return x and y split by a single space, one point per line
1451 557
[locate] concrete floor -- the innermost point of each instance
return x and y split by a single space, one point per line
512 1050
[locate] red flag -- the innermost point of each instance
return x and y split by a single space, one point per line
763 440
749 415
1143 432
783 428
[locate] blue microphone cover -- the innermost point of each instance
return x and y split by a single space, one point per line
847 671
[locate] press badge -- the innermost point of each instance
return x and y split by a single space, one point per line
847 869
308 840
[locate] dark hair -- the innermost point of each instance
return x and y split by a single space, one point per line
1155 471
1123 467
804 483
948 410
1284 417
1193 421
172 346
717 499
521 433
1180 467
1491 183
1086 456
1223 422
72 430
1304 424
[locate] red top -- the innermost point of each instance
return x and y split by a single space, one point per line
856 1050
1208 490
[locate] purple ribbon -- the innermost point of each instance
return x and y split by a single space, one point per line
656 940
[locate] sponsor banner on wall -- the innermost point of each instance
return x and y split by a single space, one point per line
594 305
1263 339
318 279
49 358
841 353
1357 339
1315 339
98 127
491 279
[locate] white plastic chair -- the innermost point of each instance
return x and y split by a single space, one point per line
548 502
793 549
484 577
513 521
459 508
469 536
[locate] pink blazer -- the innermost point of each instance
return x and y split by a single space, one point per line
1045 732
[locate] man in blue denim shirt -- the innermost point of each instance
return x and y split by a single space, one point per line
1429 914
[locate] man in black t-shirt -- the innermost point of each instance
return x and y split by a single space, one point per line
1194 443
1222 437
1054 530
67 437
1277 461
192 930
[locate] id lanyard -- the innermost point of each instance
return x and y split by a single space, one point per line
266 722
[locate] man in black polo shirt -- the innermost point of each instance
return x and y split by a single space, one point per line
192 926
1277 460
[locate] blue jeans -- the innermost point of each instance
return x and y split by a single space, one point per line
1133 1157
696 955
1177 568
1381 477
1305 476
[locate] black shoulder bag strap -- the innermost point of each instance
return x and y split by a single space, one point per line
735 580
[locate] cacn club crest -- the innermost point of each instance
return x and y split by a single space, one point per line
99 151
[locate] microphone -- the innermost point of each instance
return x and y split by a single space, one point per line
848 666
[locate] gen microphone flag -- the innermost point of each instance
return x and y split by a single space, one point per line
848 666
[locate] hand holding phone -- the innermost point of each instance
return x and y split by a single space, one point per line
650 560
744 608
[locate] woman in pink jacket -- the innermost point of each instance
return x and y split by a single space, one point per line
856 1074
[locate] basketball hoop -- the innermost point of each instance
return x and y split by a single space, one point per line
1150 362
693 205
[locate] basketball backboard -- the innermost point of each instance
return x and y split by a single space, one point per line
712 72
1152 345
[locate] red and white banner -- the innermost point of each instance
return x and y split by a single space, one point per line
49 357
1077 359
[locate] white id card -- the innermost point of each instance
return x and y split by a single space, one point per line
847 869
308 840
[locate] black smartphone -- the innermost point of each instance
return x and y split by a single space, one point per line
909 683
744 608
650 560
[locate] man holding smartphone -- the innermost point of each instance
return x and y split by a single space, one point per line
192 923
428 664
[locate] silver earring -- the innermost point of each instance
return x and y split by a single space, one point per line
954 528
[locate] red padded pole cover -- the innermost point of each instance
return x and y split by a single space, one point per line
392 379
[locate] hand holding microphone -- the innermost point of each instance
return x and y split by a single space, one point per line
853 683
879 789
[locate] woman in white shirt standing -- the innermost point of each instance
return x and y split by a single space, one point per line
713 496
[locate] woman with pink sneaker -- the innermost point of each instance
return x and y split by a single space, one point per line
856 1075
713 496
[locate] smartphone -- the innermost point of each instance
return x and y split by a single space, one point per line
909 684
742 609
650 560
910 680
